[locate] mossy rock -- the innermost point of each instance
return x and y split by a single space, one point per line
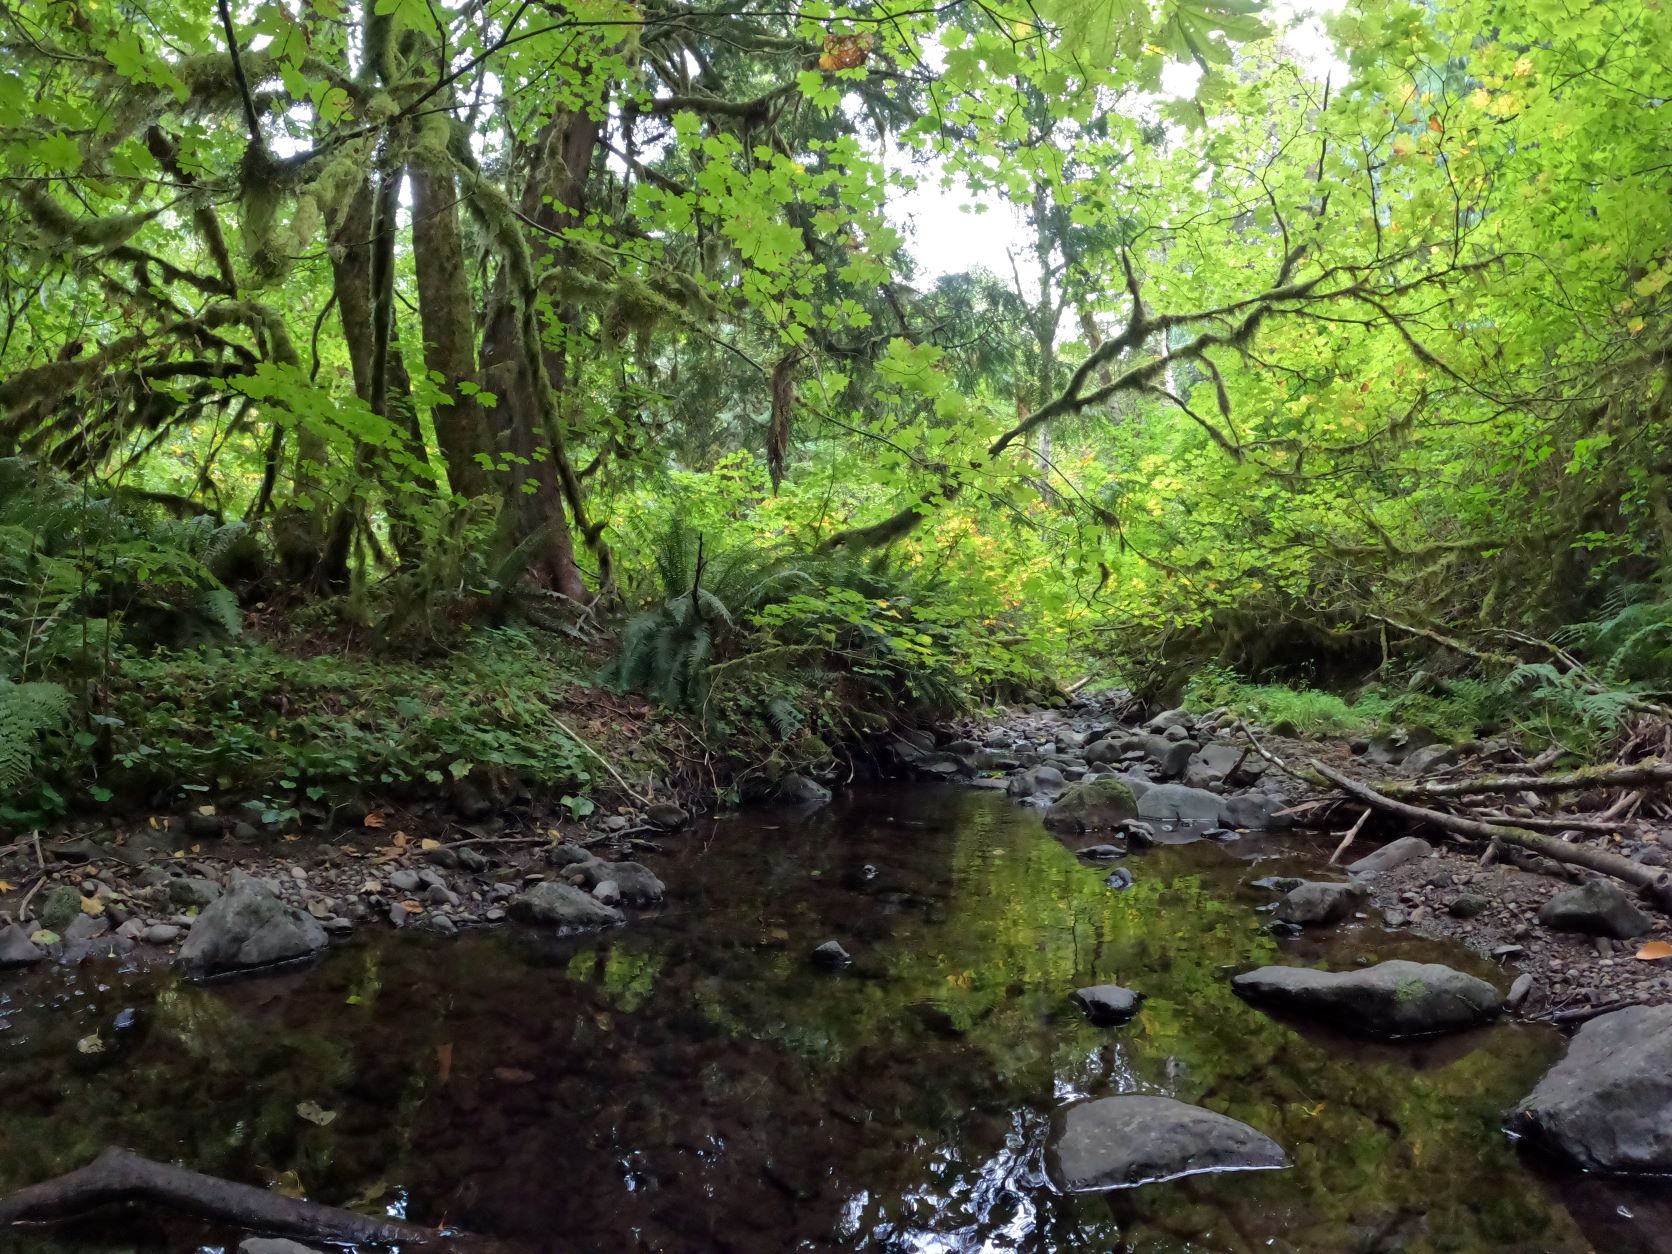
1095 805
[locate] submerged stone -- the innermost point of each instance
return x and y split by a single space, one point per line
551 904
1390 999
1139 1138
1107 1004
1317 903
1096 805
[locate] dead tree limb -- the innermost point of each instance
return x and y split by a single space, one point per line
119 1175
1570 781
1653 883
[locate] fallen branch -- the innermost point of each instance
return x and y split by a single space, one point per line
1352 834
1561 823
119 1175
1569 781
1654 884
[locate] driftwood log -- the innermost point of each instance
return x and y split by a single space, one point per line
1570 781
1654 883
119 1175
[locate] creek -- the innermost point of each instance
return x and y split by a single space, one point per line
692 1082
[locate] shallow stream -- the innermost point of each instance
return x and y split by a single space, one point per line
692 1083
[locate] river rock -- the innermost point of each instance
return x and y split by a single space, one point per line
1395 853
17 950
190 891
1107 1004
667 816
274 1245
1259 811
1138 1138
1169 756
160 934
1102 753
1171 718
568 855
60 906
1037 781
799 790
1598 908
633 880
1390 999
1316 903
831 956
1607 1105
1176 803
551 904
1090 807
247 926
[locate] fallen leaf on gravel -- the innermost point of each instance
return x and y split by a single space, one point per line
412 907
207 812
6 886
92 905
314 1113
429 843
1654 949
374 819
44 937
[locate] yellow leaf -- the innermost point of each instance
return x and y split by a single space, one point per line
92 905
5 886
429 843
412 907
1654 949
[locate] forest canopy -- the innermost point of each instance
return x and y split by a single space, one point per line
445 312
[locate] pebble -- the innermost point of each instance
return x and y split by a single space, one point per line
404 880
161 934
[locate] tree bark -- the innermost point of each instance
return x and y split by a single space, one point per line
444 309
119 1175
536 489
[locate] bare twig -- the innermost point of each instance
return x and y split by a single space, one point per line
1352 834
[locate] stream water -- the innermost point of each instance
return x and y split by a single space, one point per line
693 1083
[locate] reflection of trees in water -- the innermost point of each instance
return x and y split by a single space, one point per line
691 1082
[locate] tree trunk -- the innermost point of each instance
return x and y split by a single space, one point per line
444 308
535 490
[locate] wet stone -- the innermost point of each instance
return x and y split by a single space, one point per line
1119 1142
831 956
1107 1005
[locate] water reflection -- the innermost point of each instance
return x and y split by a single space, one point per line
692 1083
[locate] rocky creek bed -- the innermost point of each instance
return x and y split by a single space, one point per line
908 1019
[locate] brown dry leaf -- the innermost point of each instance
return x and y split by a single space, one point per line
197 848
513 1075
412 907
6 886
284 1183
374 819
1654 949
443 1061
398 840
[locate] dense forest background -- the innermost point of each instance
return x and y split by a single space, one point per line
374 377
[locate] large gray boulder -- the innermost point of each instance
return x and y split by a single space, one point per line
1607 1105
1318 903
1103 753
1599 908
1037 781
17 950
1138 1138
635 881
1261 811
248 926
1175 803
1169 756
1390 999
1395 853
1094 806
564 906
